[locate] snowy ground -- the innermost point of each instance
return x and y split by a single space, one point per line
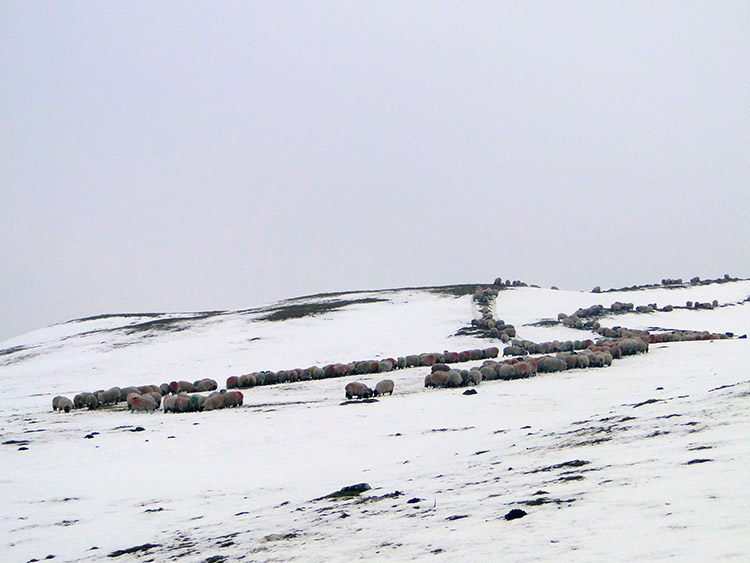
645 460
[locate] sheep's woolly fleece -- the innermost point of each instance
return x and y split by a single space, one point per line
643 460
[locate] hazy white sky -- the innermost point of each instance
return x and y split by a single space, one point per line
163 156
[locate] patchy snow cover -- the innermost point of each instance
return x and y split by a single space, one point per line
644 460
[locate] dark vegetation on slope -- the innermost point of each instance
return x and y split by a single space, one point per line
301 310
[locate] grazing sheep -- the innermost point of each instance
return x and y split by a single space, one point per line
170 403
182 403
186 387
451 357
385 365
514 351
109 397
475 376
454 379
213 401
506 371
357 389
130 397
91 401
437 379
143 403
62 404
206 385
232 399
491 352
412 361
155 396
427 359
79 401
489 373
383 387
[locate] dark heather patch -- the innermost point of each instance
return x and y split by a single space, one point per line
563 465
135 549
347 492
546 500
280 537
16 443
648 402
698 460
302 310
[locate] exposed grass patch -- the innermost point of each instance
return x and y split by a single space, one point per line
12 350
136 549
545 323
302 310
454 290
563 465
546 500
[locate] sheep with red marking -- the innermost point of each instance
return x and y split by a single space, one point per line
143 403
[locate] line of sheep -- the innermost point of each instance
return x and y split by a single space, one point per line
485 299
595 354
140 398
577 319
364 367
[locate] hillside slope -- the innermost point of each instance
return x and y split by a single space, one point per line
645 459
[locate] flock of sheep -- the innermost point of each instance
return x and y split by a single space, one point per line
526 358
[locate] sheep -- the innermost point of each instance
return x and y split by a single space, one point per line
232 399
170 403
182 403
357 389
488 372
213 401
475 376
130 398
155 396
383 387
206 385
62 404
186 387
91 401
79 401
413 361
109 397
506 371
454 379
491 352
437 379
385 365
514 351
143 403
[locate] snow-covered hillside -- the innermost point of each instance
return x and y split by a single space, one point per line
643 460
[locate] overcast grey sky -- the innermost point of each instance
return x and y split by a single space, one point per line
181 156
